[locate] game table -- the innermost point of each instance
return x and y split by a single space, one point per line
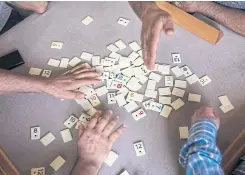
224 63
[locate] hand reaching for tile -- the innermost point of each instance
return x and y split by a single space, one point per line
95 142
64 86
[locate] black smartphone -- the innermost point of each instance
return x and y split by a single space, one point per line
11 60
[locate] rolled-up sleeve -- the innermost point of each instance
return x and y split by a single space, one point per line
200 155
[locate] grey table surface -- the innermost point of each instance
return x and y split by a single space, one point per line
223 63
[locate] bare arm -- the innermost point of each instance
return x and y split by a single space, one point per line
63 86
232 18
12 82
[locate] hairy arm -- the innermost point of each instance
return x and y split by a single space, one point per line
12 82
232 18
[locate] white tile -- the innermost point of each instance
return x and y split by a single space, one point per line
143 79
35 133
183 132
140 52
116 85
101 91
115 55
74 61
133 84
176 58
133 96
133 56
166 110
123 21
169 80
112 48
150 93
177 104
186 71
87 20
66 135
147 103
38 171
194 97
131 106
154 106
205 80
124 173
224 100
154 76
95 60
94 100
71 121
47 139
35 71
177 71
120 100
227 108
129 72
164 91
164 69
88 91
139 114
180 84
84 118
192 79
111 158
86 56
165 100
64 62
138 62
178 92
123 91
53 62
151 85
139 148
99 68
111 98
46 73
92 111
120 44
56 45
134 46
57 163
86 105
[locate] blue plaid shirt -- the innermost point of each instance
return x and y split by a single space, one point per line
200 155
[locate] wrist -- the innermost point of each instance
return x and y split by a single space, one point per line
87 168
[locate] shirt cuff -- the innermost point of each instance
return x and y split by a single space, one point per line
203 128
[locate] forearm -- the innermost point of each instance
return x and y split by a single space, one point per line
12 82
200 153
232 18
84 169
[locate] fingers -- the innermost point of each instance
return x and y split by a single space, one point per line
110 126
81 66
93 121
88 74
169 27
115 135
72 95
82 82
144 46
103 121
81 130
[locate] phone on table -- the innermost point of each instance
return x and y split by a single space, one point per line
11 60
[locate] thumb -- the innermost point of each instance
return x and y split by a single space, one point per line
72 95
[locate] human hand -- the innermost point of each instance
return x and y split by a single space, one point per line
188 6
36 6
154 21
64 86
206 112
96 140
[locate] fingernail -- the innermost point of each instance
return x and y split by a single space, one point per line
125 126
110 111
117 117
